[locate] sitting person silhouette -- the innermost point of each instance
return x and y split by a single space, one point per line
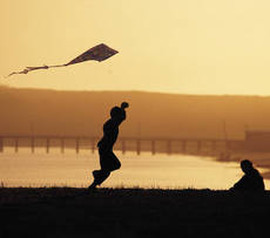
252 181
108 160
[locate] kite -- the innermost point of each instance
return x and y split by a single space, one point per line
98 53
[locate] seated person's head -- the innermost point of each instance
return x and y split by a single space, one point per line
246 166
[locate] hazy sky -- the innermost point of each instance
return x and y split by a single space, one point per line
179 46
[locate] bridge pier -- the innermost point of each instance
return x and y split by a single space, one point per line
16 145
184 146
138 142
213 145
228 145
47 145
123 146
153 143
33 145
199 146
93 146
62 145
77 145
169 147
1 145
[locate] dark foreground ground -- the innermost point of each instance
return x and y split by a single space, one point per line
70 212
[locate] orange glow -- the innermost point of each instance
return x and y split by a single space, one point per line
176 46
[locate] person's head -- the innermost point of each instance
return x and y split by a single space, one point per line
246 166
116 112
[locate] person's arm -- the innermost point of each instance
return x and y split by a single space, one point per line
124 105
241 184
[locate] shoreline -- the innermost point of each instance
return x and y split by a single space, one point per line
260 160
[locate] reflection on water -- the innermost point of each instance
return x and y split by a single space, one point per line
146 171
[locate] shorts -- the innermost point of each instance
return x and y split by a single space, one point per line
108 160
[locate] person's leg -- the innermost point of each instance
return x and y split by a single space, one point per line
99 177
115 162
102 176
108 163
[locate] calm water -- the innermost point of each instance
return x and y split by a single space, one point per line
146 171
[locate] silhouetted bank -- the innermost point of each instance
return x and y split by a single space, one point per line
70 212
39 112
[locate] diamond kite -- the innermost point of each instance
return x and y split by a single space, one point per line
98 53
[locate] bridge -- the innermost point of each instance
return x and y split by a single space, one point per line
137 144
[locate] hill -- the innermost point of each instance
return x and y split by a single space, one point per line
34 111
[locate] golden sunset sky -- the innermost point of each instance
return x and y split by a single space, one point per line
175 46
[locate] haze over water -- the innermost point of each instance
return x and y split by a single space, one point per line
145 171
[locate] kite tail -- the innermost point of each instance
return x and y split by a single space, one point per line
29 69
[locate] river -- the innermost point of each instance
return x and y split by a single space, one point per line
174 171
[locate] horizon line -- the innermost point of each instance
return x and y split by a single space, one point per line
131 90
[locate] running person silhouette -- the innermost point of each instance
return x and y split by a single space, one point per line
108 160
